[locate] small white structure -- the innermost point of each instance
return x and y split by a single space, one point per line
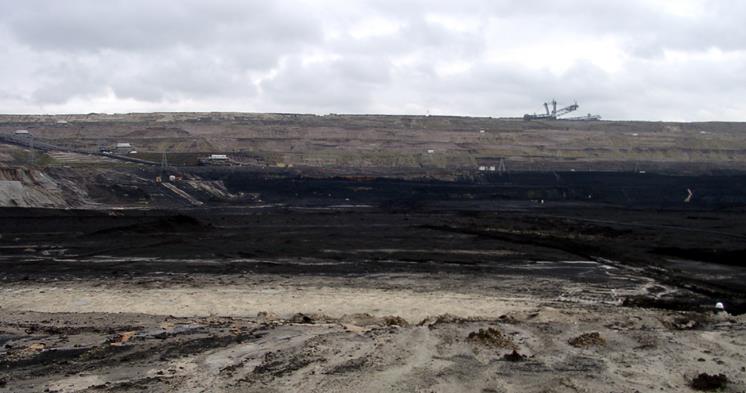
492 168
22 132
61 121
172 178
482 168
133 152
481 131
218 157
123 145
430 151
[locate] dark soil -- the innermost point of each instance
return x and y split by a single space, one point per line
375 226
514 356
174 224
707 382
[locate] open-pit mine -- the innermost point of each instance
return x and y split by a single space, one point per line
234 252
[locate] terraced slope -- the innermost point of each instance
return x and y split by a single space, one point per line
437 146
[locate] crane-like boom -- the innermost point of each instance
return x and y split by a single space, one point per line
567 109
555 113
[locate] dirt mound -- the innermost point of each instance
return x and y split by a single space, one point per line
492 337
178 223
587 340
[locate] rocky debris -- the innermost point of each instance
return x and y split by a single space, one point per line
707 382
493 338
25 187
587 340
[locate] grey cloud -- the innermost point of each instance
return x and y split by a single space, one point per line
163 52
182 75
64 80
647 28
86 25
414 36
345 85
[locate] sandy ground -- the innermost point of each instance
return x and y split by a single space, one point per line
411 296
373 333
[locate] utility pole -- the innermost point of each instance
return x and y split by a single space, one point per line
164 163
501 169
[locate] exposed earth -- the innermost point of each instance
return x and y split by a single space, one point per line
338 254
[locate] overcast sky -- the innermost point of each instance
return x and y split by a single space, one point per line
623 59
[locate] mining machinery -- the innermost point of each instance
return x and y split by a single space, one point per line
555 113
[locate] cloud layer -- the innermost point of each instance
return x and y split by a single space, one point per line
633 59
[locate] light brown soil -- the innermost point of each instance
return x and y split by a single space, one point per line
163 335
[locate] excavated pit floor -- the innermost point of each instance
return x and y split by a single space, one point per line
322 298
